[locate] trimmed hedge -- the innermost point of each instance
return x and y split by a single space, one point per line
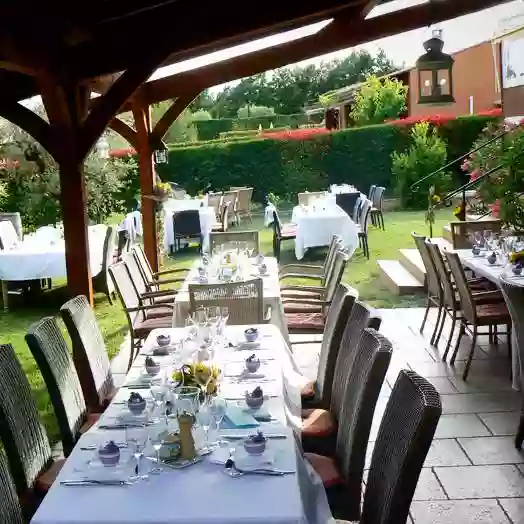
360 156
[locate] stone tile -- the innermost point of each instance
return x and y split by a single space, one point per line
486 369
501 423
482 511
478 482
481 383
451 426
491 450
428 487
480 402
443 385
514 508
433 369
446 452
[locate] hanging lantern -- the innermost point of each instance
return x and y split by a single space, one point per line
435 73
160 156
102 148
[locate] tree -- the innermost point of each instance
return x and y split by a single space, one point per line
181 130
378 100
201 115
204 100
248 111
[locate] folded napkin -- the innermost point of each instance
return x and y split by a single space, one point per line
243 345
240 418
262 413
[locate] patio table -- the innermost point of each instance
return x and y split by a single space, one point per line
202 493
37 258
271 291
317 224
483 268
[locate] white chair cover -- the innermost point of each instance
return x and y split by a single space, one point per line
8 235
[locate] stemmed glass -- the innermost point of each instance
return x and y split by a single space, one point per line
156 441
158 392
217 408
488 238
205 418
136 438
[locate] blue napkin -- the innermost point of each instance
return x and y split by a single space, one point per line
240 418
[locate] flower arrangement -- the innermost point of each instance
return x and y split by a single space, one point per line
460 211
517 257
202 375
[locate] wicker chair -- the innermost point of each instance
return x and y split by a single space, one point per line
243 210
342 474
101 282
153 282
281 233
372 190
461 231
231 237
89 353
317 393
312 272
51 353
347 202
214 200
474 313
139 319
433 286
377 215
164 296
23 434
10 509
363 223
320 424
309 315
514 296
403 442
186 225
245 300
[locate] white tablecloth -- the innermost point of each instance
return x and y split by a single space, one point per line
342 188
207 221
271 292
316 227
183 204
34 258
200 494
483 268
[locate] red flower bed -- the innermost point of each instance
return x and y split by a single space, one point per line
296 134
439 119
119 153
7 163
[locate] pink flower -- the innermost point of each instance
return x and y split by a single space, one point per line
465 166
495 208
474 175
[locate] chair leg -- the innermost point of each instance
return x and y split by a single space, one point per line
495 335
437 324
462 329
441 327
428 305
470 356
448 345
520 433
382 220
366 246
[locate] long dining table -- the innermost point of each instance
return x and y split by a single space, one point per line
202 493
493 272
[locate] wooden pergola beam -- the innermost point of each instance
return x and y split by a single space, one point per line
124 130
343 32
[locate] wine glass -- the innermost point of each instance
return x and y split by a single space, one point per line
488 237
205 418
158 392
218 408
156 441
136 438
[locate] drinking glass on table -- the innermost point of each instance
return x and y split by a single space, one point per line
158 392
156 441
136 439
488 237
204 418
218 407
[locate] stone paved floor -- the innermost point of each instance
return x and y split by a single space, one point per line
473 473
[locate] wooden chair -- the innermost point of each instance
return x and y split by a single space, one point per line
475 314
243 210
342 474
281 233
153 278
403 441
371 193
320 424
317 392
23 434
347 202
363 224
10 509
101 282
245 300
214 200
139 319
514 296
51 353
461 231
230 198
377 215
186 225
309 315
217 239
89 353
223 224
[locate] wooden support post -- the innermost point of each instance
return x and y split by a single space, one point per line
147 182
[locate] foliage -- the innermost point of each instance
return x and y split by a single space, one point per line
378 100
181 130
433 200
249 110
201 115
504 188
426 154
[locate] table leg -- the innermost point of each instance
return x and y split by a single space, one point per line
5 295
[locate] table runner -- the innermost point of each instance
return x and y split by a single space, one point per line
200 494
271 292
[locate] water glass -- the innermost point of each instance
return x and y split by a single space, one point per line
204 418
158 392
136 439
218 408
156 441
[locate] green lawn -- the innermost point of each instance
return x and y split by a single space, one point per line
361 274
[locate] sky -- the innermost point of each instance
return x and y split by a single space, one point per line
405 48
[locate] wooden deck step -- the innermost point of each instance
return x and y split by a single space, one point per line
412 261
397 278
446 233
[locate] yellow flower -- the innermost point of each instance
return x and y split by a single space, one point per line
436 199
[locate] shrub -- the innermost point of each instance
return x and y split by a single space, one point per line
201 116
254 111
426 155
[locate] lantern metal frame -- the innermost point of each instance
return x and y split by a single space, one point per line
435 62
160 156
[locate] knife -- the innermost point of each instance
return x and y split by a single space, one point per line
123 426
89 482
234 436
